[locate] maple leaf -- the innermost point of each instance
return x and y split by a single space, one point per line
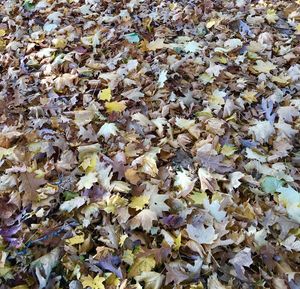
148 162
214 283
72 204
153 280
176 273
115 106
139 202
30 183
241 260
184 183
262 130
144 219
201 234
207 181
264 67
162 78
105 94
157 203
143 264
78 239
94 283
43 266
214 209
87 181
107 130
213 162
156 44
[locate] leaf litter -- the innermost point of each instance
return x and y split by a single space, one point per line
149 144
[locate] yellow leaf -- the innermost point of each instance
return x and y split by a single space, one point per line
78 239
142 265
177 242
198 197
2 32
156 44
89 163
271 16
87 181
228 150
94 283
115 106
281 79
250 96
139 202
105 94
211 23
264 67
20 287
59 42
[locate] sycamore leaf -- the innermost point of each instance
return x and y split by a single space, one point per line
87 181
105 94
115 106
94 283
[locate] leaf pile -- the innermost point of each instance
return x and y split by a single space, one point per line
149 144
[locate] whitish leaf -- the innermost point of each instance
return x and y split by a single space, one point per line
262 130
201 234
153 280
87 181
162 78
184 183
72 204
214 209
241 260
107 130
144 219
264 67
43 266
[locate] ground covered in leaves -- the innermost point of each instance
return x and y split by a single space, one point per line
149 144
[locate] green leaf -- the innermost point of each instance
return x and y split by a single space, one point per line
270 184
28 5
68 195
132 37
